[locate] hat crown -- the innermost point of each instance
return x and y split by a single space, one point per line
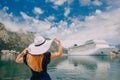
39 40
40 45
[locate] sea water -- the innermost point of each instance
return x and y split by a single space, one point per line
65 68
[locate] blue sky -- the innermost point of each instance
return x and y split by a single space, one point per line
73 21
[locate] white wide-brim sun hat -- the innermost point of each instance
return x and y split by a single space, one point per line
39 46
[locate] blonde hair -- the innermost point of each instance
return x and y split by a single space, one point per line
35 62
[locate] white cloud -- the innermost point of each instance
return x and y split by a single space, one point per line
11 26
67 12
14 26
43 25
89 2
97 2
60 2
25 16
98 12
57 2
112 4
37 10
29 24
101 25
50 18
5 8
69 1
85 2
39 26
6 19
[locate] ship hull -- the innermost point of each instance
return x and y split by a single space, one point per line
95 52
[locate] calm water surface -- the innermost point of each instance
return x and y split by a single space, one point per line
65 68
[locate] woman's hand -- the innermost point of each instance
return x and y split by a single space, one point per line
25 50
57 40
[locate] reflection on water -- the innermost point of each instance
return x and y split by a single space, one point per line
9 70
65 68
92 67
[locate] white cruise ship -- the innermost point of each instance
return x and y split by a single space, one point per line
91 47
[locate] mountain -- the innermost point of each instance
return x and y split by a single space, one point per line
18 40
13 40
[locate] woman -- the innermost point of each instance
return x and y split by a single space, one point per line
37 57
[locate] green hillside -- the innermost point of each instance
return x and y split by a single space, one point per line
18 41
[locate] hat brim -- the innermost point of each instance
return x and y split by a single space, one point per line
37 50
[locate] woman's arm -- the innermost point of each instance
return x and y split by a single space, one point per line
19 58
59 52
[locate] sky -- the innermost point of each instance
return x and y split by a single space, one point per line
72 21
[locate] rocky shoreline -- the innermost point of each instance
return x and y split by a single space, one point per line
9 52
115 53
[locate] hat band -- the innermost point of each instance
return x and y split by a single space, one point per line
41 43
